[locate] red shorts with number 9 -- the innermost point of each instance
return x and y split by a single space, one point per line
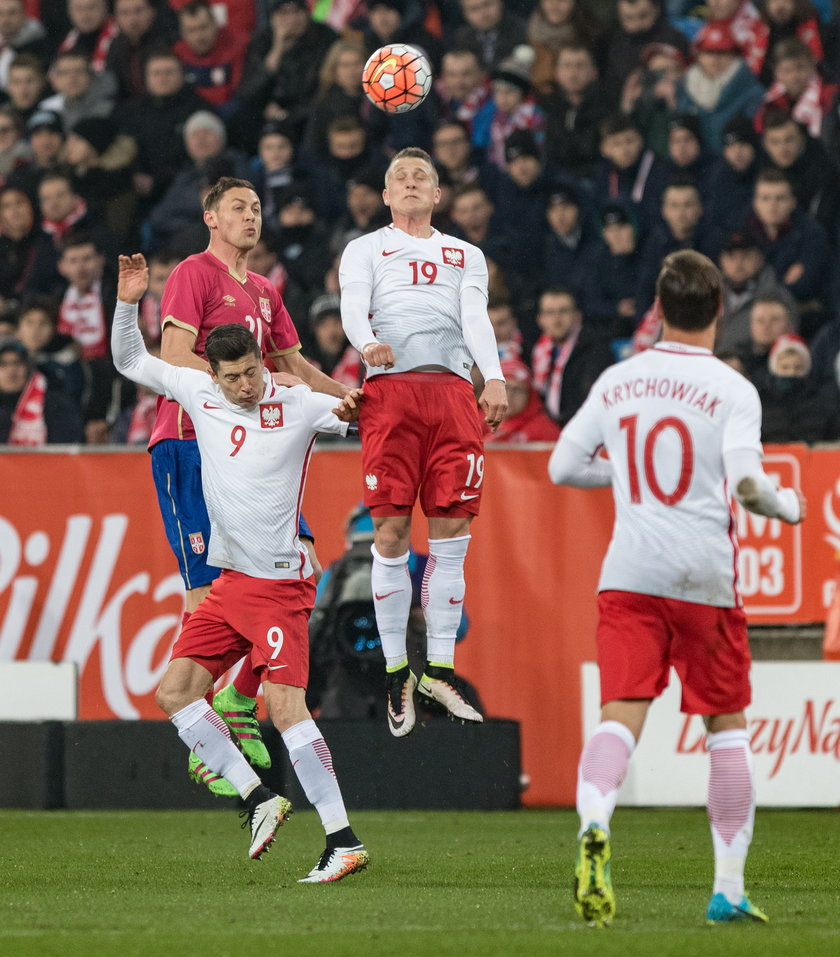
640 636
266 616
421 433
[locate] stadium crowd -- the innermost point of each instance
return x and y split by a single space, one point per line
577 144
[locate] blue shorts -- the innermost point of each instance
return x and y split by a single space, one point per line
176 470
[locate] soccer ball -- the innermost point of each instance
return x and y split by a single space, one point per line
397 78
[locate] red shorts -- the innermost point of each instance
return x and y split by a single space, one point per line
421 432
265 616
640 636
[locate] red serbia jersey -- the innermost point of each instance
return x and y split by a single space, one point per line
202 293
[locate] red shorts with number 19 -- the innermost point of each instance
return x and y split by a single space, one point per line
421 433
264 616
640 637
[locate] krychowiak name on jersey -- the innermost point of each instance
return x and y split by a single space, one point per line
676 423
415 295
253 461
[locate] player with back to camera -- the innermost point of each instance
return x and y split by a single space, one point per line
205 290
414 303
253 435
682 430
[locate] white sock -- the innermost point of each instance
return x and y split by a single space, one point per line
731 807
601 770
204 732
390 582
312 763
443 596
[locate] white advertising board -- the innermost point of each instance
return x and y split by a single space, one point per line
38 691
794 725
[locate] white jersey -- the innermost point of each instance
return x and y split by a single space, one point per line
666 418
416 285
253 467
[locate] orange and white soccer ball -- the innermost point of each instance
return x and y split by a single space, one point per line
397 78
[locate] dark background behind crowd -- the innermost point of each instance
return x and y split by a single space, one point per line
578 142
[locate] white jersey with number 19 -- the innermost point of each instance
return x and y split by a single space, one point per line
666 418
415 301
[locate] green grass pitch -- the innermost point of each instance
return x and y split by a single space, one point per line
176 884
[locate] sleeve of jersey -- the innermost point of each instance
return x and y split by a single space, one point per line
133 361
742 428
478 332
355 307
283 338
753 489
355 277
571 464
182 302
319 412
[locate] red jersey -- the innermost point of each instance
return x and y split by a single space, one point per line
200 294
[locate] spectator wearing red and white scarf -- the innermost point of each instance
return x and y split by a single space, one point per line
568 356
742 19
93 30
797 87
31 413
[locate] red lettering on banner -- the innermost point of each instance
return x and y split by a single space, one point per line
815 731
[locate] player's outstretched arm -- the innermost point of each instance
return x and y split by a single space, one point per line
754 490
571 464
294 364
132 279
130 356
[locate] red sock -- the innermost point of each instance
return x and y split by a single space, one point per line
246 682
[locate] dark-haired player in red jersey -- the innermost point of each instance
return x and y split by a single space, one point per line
204 291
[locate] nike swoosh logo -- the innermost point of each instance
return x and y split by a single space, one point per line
276 667
208 406
466 498
387 593
453 602
391 253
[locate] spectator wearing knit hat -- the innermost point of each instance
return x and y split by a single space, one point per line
686 156
741 20
101 158
513 109
609 292
329 350
177 219
719 85
747 277
570 243
518 192
795 408
732 176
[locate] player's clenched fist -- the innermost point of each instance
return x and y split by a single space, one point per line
379 354
133 278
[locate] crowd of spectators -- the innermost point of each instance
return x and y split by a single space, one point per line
577 143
